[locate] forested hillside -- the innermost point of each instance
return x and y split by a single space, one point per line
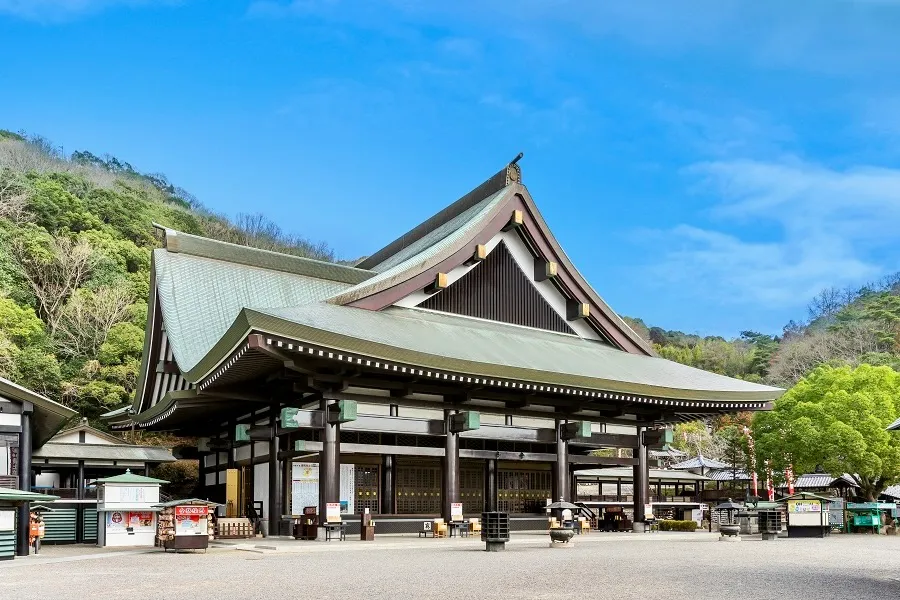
75 241
844 327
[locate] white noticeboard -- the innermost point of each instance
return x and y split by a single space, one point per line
333 512
305 487
456 513
648 511
7 520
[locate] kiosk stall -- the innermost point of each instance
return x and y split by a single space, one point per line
185 524
807 515
9 500
126 510
863 517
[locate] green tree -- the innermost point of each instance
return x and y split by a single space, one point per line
835 418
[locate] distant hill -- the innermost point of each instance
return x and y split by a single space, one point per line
848 326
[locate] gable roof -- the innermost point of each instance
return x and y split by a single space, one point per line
449 238
83 426
429 250
107 452
49 416
699 462
434 228
824 480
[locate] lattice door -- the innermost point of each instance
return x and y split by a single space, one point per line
418 490
367 489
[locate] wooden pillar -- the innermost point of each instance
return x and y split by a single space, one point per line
388 481
329 462
79 509
274 475
641 479
450 472
24 510
562 465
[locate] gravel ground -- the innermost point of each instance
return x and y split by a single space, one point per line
625 567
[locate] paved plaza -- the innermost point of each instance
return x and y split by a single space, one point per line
620 566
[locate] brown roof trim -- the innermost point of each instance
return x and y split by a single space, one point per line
508 174
537 234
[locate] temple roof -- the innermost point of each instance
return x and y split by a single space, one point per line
49 416
208 297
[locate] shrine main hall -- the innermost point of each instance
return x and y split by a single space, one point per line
466 362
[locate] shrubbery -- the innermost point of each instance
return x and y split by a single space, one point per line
677 525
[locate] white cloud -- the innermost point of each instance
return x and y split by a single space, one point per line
785 230
61 10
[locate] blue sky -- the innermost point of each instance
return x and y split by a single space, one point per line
708 165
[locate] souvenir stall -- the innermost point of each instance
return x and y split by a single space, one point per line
126 510
807 515
185 524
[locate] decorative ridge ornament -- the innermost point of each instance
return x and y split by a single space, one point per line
514 171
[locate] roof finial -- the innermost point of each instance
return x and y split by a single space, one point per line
513 171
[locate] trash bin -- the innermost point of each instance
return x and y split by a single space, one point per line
494 530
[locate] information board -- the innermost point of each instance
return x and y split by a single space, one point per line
456 513
7 520
333 512
804 506
190 524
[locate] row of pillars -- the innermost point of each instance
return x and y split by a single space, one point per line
329 471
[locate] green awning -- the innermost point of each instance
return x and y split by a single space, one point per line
10 495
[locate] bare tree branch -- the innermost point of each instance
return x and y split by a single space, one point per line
54 273
86 319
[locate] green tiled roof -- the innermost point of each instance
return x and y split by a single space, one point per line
129 477
428 250
482 348
469 217
200 297
109 452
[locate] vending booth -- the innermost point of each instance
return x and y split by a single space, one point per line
807 515
126 510
185 524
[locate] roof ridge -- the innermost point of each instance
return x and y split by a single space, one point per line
179 242
511 173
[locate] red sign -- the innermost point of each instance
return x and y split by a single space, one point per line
184 511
